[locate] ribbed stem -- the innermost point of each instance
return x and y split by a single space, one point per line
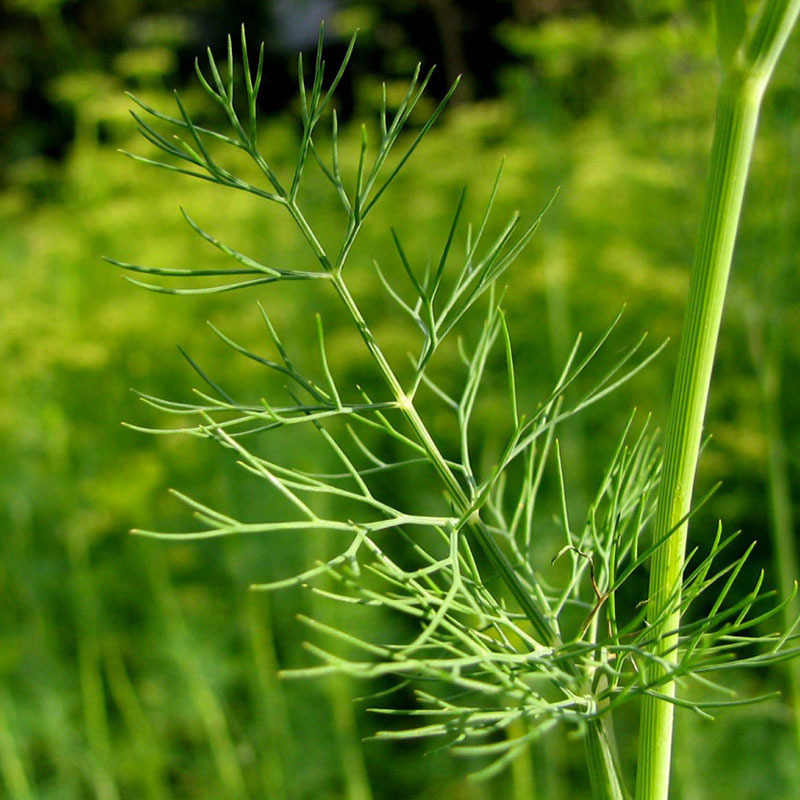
603 771
738 106
737 116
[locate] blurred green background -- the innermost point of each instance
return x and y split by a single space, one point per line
136 669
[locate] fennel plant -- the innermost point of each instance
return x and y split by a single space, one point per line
503 652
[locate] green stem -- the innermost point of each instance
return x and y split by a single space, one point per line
459 497
737 114
738 106
606 782
603 771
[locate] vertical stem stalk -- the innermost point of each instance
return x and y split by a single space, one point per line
737 116
738 107
603 771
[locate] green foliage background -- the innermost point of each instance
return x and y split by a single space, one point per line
135 669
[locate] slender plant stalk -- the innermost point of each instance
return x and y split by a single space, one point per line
603 771
749 58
